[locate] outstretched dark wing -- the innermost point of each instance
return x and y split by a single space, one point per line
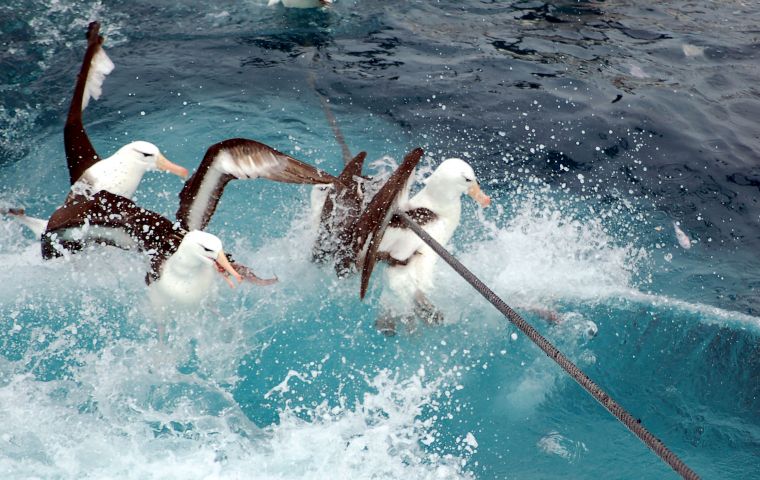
113 220
237 158
339 212
80 154
369 229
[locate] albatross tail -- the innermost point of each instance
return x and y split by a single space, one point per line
36 225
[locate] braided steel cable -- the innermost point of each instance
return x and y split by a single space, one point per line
633 424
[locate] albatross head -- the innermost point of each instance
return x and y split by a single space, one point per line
207 249
457 177
149 157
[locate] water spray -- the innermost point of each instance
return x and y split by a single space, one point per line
633 424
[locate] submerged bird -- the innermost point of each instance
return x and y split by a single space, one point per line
181 276
381 235
301 3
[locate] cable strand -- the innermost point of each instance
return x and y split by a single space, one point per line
633 424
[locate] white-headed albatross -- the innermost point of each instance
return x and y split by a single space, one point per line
381 235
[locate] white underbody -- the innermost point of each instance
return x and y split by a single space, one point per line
417 275
113 174
184 283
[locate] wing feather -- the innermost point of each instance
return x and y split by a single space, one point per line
370 228
238 158
80 154
112 219
115 220
100 67
421 215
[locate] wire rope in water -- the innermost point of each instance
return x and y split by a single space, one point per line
633 424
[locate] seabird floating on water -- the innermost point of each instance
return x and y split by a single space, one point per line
302 3
183 263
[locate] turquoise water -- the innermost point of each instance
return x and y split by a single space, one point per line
293 381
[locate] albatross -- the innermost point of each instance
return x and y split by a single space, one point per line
381 235
336 208
121 172
301 3
183 256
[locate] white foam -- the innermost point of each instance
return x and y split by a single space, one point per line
546 254
127 413
124 405
538 257
123 408
555 443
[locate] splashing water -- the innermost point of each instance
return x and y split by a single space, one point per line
588 160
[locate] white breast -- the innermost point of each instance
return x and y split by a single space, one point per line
112 175
417 275
181 285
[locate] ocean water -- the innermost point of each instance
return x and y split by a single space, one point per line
594 125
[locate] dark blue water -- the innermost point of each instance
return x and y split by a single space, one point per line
594 125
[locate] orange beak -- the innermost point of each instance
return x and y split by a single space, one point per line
477 194
164 164
225 264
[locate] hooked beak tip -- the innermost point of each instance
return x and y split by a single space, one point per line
225 264
479 196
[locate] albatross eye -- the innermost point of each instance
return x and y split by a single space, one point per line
207 249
